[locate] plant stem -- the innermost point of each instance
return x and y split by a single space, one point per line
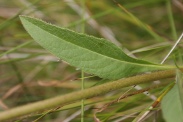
82 72
84 94
82 101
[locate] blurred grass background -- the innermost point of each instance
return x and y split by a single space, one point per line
28 73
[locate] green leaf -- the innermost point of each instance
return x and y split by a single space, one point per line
93 55
171 106
179 80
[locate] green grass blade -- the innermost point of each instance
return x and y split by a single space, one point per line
93 55
171 19
15 48
138 22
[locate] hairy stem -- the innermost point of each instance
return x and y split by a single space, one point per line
84 94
